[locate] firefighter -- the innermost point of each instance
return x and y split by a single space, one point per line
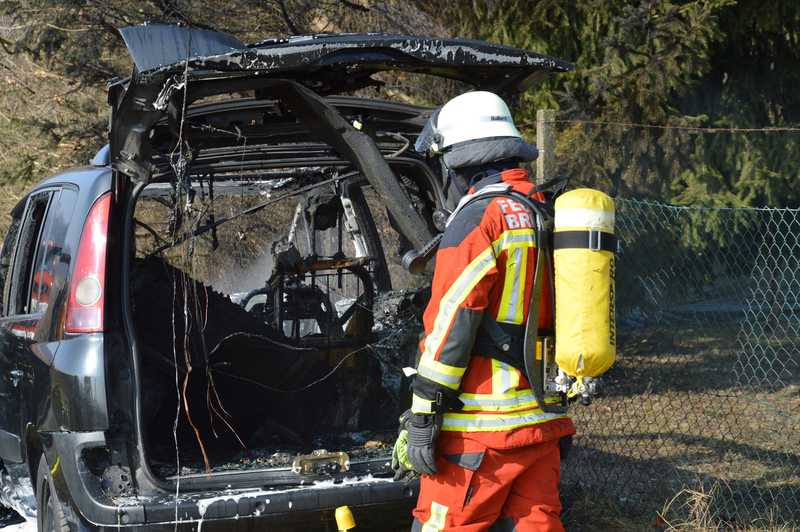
488 455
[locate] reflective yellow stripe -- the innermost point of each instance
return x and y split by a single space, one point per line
495 422
420 405
512 301
448 306
438 372
504 377
431 368
436 521
514 238
497 376
54 469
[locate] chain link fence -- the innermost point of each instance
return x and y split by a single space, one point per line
705 395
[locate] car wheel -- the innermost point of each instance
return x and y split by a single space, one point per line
50 516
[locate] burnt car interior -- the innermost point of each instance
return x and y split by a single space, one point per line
281 321
270 312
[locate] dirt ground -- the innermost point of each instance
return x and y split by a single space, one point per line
686 417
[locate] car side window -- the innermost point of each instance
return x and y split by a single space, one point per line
7 256
52 260
22 275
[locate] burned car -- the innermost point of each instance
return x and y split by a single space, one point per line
209 324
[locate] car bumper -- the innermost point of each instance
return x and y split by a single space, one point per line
378 504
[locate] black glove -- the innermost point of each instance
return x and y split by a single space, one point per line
423 429
403 469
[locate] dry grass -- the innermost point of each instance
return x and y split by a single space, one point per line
695 509
690 509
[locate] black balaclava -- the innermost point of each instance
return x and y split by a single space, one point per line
461 179
473 174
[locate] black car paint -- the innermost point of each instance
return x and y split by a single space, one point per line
32 342
60 381
331 63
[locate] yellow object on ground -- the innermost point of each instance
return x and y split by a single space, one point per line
344 518
584 246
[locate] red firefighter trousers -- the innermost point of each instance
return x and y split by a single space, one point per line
478 489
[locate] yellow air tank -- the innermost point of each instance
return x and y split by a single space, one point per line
584 245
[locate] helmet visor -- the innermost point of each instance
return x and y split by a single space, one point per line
429 136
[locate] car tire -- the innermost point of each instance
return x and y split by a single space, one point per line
50 516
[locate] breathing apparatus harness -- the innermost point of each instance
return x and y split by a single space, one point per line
522 346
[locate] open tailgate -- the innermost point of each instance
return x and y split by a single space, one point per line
333 62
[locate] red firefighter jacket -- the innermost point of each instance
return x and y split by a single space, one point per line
485 264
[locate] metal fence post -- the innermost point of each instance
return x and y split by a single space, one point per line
546 142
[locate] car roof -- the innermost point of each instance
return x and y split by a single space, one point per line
84 178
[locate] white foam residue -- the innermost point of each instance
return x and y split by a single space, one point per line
349 481
18 494
27 526
204 504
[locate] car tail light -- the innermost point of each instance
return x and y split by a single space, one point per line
86 291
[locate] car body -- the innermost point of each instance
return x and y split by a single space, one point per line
72 428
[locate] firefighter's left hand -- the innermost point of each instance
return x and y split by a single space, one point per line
423 430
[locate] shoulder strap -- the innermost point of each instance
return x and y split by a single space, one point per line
543 231
489 191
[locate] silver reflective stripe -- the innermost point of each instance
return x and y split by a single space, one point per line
448 306
594 218
494 422
520 400
420 405
505 378
516 296
497 187
438 518
437 376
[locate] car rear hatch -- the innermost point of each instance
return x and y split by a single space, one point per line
175 67
330 63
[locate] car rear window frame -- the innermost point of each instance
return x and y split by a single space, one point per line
14 297
57 206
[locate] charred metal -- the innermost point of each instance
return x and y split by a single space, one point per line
286 185
266 306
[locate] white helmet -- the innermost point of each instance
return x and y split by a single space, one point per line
472 129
